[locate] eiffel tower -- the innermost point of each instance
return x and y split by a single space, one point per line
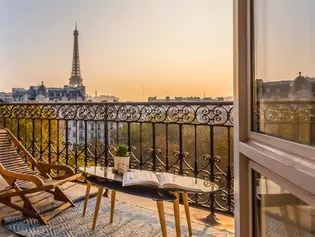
75 79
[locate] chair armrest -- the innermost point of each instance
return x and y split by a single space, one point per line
11 176
45 167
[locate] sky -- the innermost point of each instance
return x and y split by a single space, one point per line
285 39
132 49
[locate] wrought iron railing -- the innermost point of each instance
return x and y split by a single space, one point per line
188 138
291 120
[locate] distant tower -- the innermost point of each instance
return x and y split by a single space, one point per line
75 79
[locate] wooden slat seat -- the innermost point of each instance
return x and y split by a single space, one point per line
24 180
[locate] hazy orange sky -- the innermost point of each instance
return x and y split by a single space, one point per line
161 47
285 39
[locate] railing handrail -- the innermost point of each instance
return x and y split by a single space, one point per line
125 103
219 113
285 102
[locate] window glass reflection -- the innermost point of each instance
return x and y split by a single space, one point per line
278 213
284 69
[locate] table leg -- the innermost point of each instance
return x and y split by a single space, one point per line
176 213
160 207
87 194
286 220
186 205
97 206
296 214
112 205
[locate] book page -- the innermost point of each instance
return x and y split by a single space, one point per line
140 178
168 180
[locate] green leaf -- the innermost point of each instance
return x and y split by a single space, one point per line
122 150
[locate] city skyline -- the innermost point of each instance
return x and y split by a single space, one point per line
153 49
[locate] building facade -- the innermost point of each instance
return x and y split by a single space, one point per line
91 132
301 88
6 97
102 98
43 94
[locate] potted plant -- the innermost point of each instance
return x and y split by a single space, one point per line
121 158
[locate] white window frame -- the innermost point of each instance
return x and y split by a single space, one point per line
294 163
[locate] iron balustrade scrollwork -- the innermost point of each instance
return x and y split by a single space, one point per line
286 111
186 138
291 120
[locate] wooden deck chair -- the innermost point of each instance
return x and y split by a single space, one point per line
24 180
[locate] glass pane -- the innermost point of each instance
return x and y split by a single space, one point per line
278 213
284 69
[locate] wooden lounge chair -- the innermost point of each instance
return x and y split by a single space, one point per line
23 180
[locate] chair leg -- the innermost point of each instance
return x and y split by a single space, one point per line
59 195
87 194
160 207
29 206
112 205
97 206
176 213
186 205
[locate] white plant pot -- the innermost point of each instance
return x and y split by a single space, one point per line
121 162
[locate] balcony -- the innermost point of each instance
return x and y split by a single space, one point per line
185 138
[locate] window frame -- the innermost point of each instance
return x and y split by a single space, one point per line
246 140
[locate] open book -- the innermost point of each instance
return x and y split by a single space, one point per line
162 180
